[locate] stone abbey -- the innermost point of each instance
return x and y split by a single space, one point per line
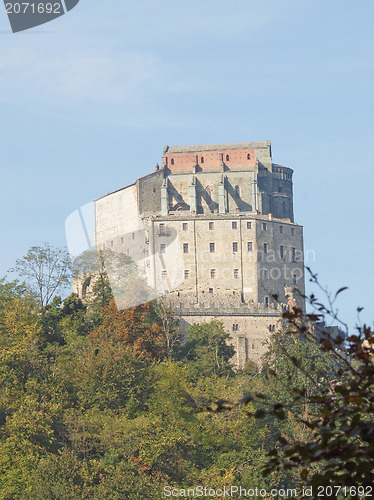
213 230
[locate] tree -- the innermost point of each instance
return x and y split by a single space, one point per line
335 452
46 269
339 446
172 332
207 348
137 328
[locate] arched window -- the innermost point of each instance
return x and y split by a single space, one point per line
248 156
227 157
172 161
202 159
237 190
85 286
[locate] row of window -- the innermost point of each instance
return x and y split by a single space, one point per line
202 158
234 225
212 249
235 328
284 174
265 276
236 275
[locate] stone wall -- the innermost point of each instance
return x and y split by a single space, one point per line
217 236
250 334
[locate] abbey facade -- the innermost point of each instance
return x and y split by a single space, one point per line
213 231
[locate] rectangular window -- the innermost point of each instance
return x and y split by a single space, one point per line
235 327
265 248
186 274
294 279
264 226
133 236
293 254
281 252
212 247
235 246
163 275
161 229
211 225
210 290
184 226
234 225
249 225
212 274
249 246
266 301
236 273
292 231
281 229
162 248
185 247
121 239
266 274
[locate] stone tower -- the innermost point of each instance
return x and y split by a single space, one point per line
213 228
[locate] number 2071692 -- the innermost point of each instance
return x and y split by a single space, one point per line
33 8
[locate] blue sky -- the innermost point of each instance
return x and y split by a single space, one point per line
89 100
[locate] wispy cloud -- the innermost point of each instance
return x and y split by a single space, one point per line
83 75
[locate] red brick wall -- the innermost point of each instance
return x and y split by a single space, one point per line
185 161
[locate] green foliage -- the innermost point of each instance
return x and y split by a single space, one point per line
97 402
320 389
338 445
207 349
